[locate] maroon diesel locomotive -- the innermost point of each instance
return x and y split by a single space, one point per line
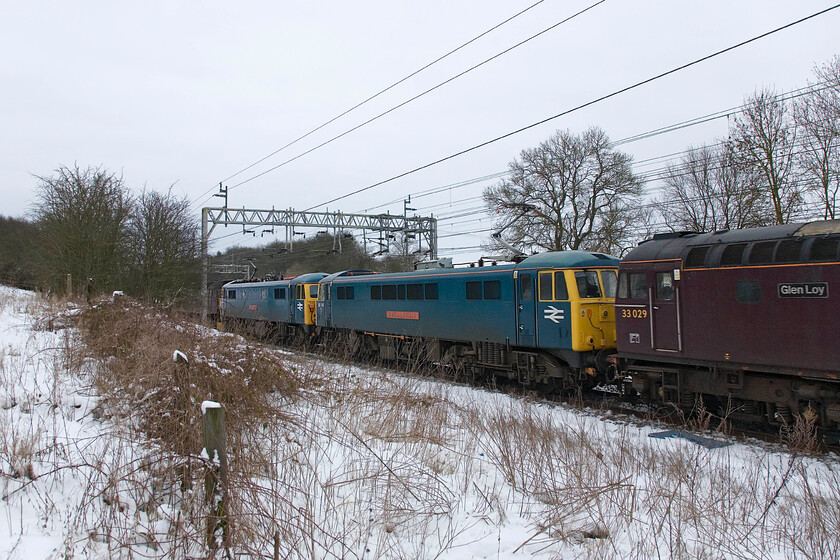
749 320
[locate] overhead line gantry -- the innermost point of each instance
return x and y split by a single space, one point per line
421 228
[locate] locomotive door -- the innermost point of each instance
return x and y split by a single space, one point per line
664 294
526 314
324 305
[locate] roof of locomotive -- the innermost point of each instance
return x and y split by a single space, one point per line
568 259
674 245
345 273
309 277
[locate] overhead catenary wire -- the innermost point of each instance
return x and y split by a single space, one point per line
375 95
581 106
414 98
668 166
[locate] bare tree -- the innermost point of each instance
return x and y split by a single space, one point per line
817 115
164 248
570 192
708 191
81 217
764 138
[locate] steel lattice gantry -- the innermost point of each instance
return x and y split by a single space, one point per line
423 229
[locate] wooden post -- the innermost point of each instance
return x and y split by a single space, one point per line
215 478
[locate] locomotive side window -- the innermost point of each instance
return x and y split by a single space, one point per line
824 249
432 291
279 293
400 291
376 292
343 292
492 289
789 251
632 286
546 282
664 286
696 257
300 291
732 254
414 291
349 292
389 291
231 294
560 289
473 290
553 286
623 288
525 289
762 253
748 291
608 280
638 286
587 284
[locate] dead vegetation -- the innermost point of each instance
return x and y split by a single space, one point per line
329 461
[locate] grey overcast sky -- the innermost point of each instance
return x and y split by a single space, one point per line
186 94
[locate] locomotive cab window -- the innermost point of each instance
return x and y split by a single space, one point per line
664 286
299 291
231 294
313 291
587 284
609 281
633 286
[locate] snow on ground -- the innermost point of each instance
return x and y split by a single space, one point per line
373 464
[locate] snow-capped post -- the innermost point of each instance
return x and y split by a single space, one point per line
215 477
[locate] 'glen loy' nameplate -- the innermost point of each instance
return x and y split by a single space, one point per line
810 290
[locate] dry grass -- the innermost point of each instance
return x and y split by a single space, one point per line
327 462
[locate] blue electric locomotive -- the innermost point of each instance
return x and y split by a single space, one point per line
548 319
286 306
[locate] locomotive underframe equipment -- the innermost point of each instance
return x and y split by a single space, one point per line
737 393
